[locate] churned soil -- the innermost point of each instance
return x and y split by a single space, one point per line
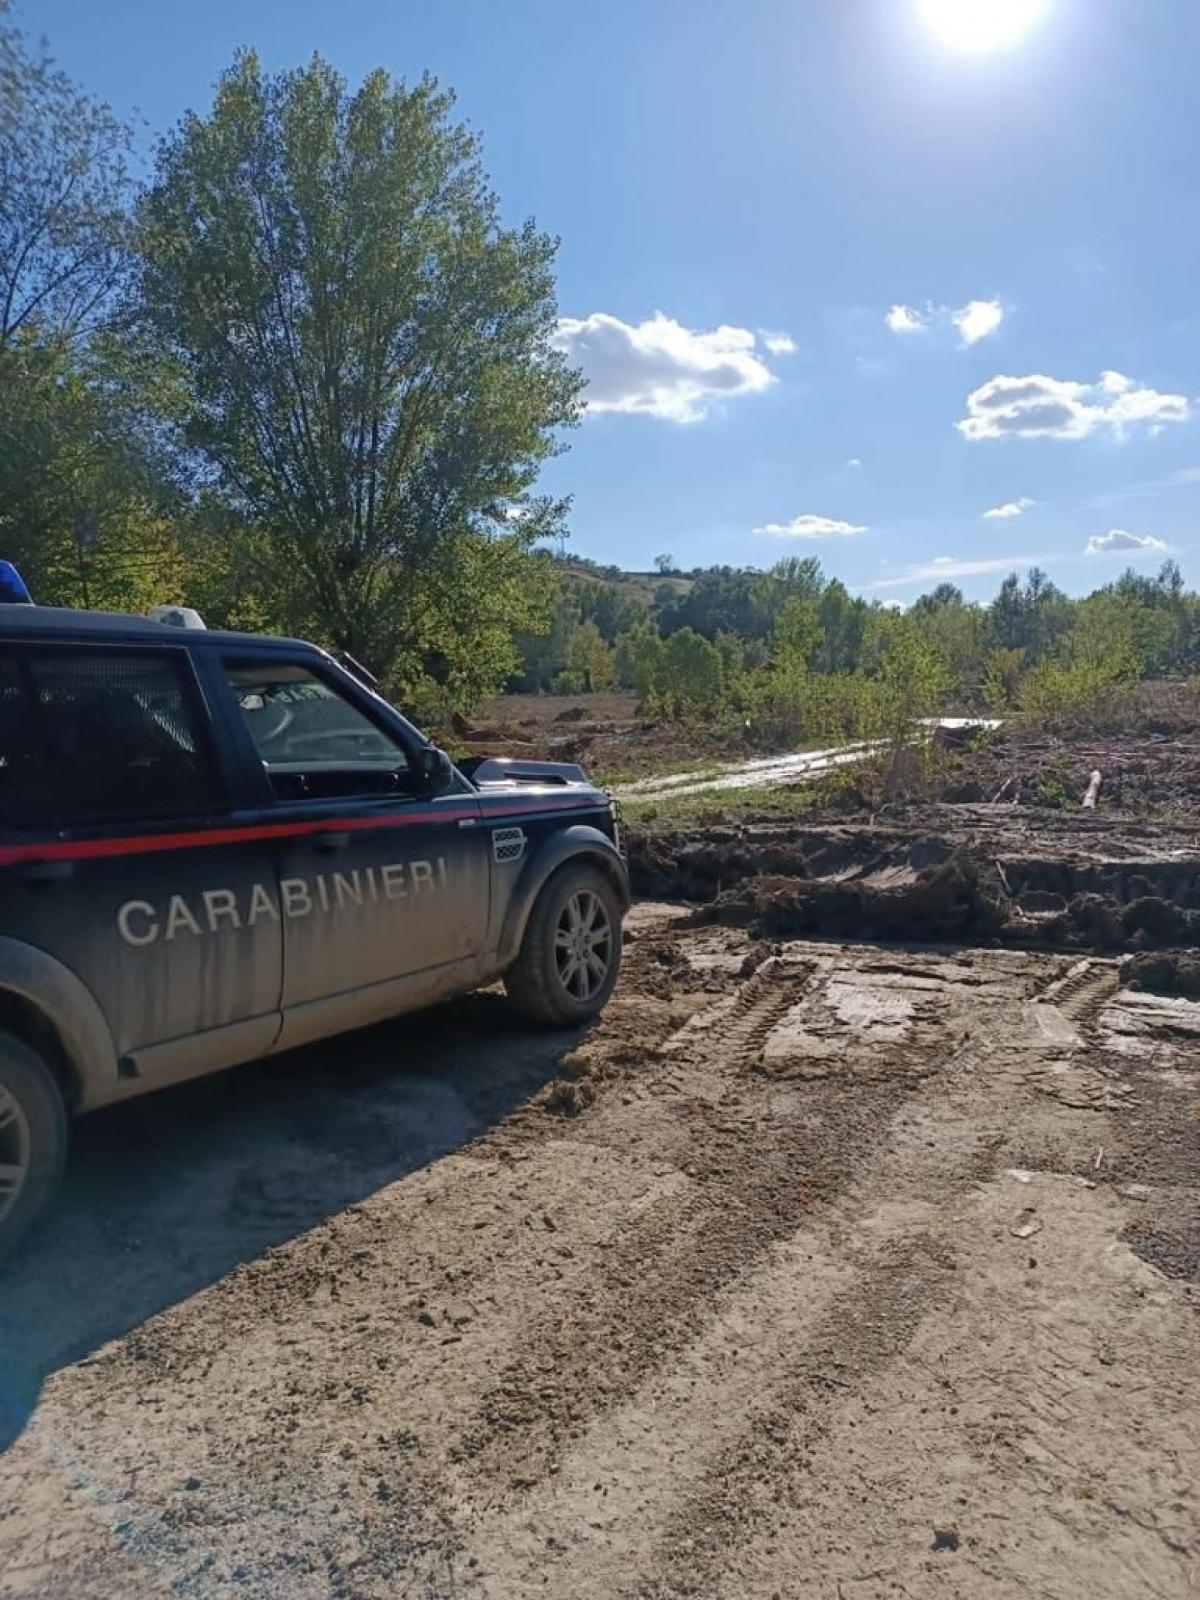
815 1269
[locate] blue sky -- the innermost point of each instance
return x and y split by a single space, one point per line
918 220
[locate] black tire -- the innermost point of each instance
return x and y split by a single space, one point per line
33 1139
545 982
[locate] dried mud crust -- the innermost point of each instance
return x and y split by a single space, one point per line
845 1271
943 873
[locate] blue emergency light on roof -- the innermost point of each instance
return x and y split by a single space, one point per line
12 587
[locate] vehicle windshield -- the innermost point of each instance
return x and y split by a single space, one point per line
299 722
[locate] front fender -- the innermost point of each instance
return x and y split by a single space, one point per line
579 842
70 1011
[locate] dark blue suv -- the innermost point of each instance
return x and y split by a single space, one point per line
215 846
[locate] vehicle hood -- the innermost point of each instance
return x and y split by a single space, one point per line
507 772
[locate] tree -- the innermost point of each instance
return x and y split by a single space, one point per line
637 659
1034 616
589 660
797 631
720 600
83 506
689 675
665 564
64 194
612 608
365 355
939 599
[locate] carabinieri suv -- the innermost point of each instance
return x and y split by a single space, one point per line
215 846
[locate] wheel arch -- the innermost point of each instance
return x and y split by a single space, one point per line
578 843
46 1007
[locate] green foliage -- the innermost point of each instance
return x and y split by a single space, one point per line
1061 696
685 676
638 659
1033 615
913 680
720 600
366 359
796 632
734 656
610 607
1054 787
1002 677
84 512
589 660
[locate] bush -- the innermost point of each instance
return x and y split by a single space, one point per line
569 681
1001 678
1064 696
687 675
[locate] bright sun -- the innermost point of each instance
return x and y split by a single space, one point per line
981 25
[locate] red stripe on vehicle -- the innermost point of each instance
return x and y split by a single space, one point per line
206 838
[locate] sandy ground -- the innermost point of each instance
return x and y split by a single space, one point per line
815 1270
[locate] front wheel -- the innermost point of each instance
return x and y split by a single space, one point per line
33 1139
571 953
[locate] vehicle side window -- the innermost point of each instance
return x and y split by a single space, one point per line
24 792
314 742
118 735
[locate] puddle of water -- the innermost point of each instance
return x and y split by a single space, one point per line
779 771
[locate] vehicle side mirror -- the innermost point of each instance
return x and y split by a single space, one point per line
433 771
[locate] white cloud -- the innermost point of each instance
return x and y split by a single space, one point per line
1010 508
811 527
949 567
854 463
659 367
974 321
1116 541
1037 407
905 319
977 319
779 344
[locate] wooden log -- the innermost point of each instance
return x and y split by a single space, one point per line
1093 789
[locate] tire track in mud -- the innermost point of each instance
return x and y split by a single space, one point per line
1084 992
764 1471
758 1163
624 1482
853 1166
764 1001
763 1475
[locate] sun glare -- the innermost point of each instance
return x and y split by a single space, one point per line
981 25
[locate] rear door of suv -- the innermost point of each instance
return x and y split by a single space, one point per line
384 893
125 857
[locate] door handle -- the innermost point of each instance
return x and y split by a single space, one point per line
330 843
45 871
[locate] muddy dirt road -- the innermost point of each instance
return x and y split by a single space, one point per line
814 1271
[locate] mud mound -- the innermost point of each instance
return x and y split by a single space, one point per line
941 873
1169 972
956 899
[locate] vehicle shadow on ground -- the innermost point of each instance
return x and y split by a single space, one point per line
166 1194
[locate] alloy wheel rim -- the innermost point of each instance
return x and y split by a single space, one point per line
14 1151
583 945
